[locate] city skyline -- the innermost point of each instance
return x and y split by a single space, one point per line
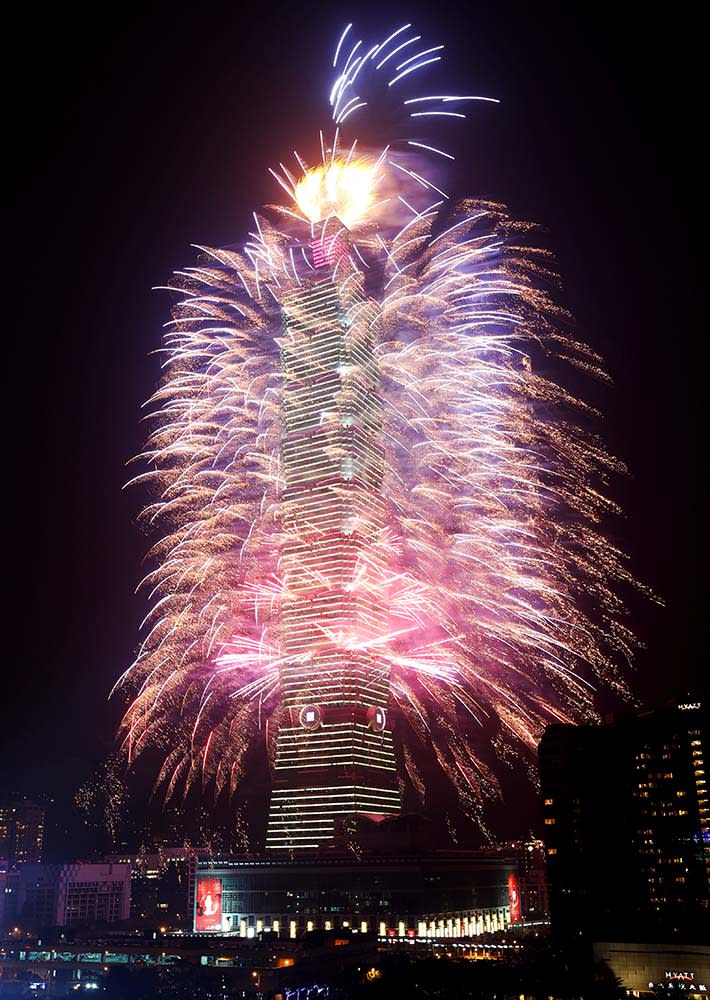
588 292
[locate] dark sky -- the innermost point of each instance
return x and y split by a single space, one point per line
134 137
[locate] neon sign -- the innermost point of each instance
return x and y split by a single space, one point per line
676 979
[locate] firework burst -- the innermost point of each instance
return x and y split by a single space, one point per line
504 599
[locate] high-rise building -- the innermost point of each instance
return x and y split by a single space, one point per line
80 893
530 858
21 831
335 756
627 826
162 883
36 898
93 893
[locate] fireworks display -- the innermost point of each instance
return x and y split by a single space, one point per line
504 597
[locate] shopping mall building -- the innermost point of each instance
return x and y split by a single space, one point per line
437 895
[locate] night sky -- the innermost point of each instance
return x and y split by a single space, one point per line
134 137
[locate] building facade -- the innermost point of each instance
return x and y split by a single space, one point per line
530 860
162 884
626 826
74 894
9 892
334 756
37 894
93 893
443 894
21 831
658 969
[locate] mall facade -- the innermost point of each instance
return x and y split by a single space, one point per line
438 895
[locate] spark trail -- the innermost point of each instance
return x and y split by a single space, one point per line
504 596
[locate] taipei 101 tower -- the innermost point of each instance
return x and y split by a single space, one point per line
380 563
334 751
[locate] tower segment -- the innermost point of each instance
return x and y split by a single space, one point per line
334 751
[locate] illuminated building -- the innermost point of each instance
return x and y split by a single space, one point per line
21 831
627 826
657 969
457 894
93 893
72 894
530 859
162 884
334 755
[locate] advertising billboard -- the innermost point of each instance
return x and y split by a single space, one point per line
208 905
514 898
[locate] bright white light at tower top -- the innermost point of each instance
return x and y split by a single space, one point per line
341 188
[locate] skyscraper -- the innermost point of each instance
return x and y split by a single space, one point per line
21 830
335 756
627 825
530 859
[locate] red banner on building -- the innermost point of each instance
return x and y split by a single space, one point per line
208 908
514 898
